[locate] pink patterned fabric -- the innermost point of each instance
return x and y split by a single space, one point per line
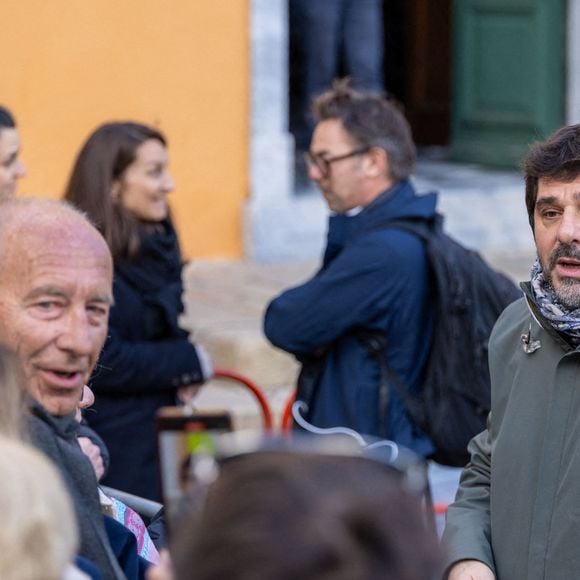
132 521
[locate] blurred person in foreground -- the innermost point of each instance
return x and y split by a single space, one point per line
38 536
55 295
281 516
516 512
121 180
11 166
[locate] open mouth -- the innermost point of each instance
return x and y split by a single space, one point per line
61 378
568 263
568 267
65 374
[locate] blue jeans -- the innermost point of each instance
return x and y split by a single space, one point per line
332 38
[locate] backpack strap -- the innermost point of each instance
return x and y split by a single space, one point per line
375 342
308 378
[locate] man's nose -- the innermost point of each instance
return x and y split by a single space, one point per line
314 173
569 228
76 335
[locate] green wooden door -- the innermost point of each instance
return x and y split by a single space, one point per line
509 77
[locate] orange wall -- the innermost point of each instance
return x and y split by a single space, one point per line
182 65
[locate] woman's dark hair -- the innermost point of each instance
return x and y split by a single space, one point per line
556 158
102 160
6 119
281 516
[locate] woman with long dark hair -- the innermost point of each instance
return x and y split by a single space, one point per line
121 180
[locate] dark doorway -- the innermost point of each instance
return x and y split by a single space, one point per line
418 65
417 73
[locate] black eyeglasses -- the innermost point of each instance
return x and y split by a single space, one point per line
323 163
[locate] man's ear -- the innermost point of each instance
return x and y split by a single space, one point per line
377 162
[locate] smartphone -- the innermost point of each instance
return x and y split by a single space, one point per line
184 438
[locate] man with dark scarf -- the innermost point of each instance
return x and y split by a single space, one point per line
55 295
516 511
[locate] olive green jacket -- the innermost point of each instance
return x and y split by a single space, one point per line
518 504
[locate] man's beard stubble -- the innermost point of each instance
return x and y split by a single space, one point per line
568 294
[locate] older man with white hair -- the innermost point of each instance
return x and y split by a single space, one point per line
55 295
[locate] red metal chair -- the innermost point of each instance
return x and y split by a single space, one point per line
254 389
287 419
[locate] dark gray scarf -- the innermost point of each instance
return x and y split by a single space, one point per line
561 318
57 438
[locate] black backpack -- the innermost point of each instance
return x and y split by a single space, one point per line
468 297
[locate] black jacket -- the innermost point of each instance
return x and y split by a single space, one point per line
145 359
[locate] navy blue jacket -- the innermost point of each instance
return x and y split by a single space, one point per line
145 359
374 279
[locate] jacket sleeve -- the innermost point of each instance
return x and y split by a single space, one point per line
467 533
355 288
131 367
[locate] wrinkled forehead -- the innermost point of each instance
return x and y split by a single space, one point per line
64 237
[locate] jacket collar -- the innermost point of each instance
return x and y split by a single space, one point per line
399 202
402 202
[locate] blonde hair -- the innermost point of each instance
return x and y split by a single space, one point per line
38 535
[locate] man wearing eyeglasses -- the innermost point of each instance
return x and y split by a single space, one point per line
372 277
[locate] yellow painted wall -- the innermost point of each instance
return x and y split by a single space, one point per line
182 65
